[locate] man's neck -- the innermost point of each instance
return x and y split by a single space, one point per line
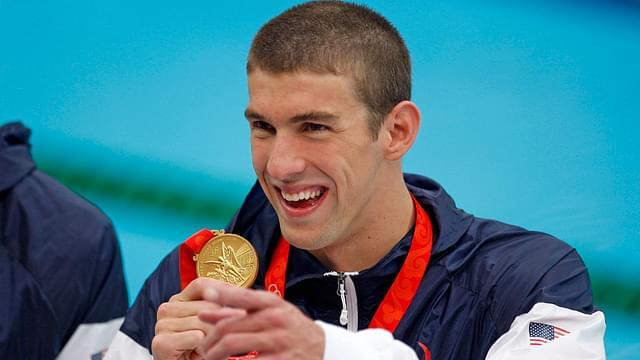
376 236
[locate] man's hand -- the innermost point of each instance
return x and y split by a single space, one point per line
251 320
178 329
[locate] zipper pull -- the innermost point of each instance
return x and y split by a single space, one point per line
344 314
342 292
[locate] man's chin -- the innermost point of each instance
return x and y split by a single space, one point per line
306 240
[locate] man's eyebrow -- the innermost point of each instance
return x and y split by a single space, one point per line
309 116
252 115
314 115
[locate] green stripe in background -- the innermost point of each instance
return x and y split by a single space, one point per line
150 194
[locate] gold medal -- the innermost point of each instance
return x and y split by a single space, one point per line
229 258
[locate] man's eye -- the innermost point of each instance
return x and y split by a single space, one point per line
315 127
262 125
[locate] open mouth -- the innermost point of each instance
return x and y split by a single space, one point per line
302 200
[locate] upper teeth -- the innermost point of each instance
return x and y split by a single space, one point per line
302 195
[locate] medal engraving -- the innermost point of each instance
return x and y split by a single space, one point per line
229 258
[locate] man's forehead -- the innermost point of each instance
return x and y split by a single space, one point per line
267 87
262 77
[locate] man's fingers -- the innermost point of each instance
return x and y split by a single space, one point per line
174 345
195 289
182 324
264 320
215 315
236 297
178 309
256 323
222 320
270 326
275 356
242 343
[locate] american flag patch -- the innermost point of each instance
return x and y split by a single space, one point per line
540 334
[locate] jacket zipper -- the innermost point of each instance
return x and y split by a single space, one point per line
347 293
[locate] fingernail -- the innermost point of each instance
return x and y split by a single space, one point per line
210 294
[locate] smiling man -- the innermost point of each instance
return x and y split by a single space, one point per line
336 186
359 260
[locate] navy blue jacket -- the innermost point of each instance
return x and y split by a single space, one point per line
60 264
482 274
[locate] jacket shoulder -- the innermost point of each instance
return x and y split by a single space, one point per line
512 269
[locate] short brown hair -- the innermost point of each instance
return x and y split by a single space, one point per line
342 39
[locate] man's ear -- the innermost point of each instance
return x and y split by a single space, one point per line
400 129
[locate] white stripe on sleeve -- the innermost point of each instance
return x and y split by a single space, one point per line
123 347
90 340
370 344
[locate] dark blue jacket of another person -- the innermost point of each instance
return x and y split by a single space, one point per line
61 277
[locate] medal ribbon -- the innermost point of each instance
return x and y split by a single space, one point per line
404 287
188 249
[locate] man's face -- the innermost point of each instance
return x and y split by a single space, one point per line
314 156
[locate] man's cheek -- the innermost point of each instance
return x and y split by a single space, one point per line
258 162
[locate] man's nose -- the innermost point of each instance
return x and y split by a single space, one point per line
286 159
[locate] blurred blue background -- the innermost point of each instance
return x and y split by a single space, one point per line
530 116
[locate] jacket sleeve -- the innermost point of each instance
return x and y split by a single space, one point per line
374 344
555 319
133 340
550 332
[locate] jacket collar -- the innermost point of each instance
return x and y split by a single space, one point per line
258 221
15 154
449 222
303 265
